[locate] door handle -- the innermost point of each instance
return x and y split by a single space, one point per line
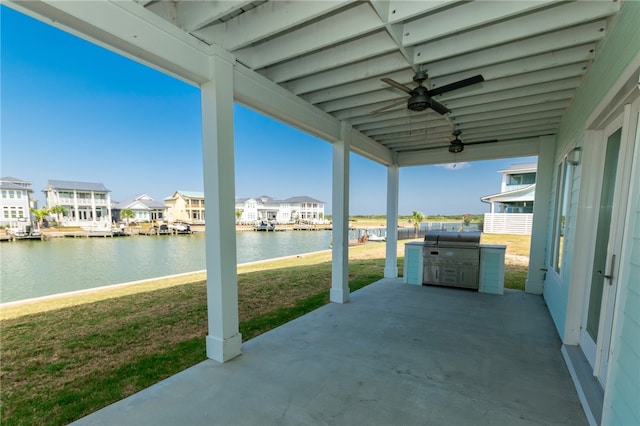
610 275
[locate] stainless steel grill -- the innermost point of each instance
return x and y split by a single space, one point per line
452 259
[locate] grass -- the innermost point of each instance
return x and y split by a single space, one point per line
517 257
405 221
61 362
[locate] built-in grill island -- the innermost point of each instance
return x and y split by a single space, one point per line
451 259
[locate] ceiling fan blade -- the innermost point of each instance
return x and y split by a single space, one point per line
391 105
481 142
457 85
439 108
397 85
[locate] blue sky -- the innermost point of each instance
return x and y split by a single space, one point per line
70 110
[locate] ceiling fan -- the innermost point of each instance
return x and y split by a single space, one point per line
421 98
456 145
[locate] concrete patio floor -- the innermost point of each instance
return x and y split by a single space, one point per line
396 354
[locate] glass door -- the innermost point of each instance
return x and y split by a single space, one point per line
599 271
595 334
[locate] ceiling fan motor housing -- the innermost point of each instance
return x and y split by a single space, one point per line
418 103
419 100
420 77
456 147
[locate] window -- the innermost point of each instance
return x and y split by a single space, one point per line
12 194
563 196
5 212
18 194
518 207
522 179
66 195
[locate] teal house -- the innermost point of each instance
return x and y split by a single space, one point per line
511 210
391 80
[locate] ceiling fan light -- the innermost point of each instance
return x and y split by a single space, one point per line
456 148
418 103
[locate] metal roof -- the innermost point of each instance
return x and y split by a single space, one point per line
147 202
78 186
318 65
520 167
188 194
14 180
268 199
11 185
10 182
302 199
519 194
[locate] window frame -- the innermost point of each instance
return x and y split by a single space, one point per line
564 185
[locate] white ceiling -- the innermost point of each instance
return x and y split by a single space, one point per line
332 55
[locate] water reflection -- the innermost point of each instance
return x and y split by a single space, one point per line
35 268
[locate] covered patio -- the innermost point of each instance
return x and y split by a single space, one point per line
397 354
413 83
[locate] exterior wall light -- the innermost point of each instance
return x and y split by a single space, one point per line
574 156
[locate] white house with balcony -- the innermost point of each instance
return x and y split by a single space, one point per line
293 209
511 210
15 202
86 204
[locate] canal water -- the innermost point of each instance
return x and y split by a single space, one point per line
40 268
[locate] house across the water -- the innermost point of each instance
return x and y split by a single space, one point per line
511 210
86 204
15 203
294 209
185 206
144 208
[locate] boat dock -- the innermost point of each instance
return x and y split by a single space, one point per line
19 234
305 227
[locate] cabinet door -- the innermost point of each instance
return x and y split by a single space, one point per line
431 274
468 277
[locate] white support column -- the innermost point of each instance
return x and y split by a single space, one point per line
94 217
340 252
541 205
108 201
224 340
76 209
391 258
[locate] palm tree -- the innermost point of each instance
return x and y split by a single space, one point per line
416 218
58 210
40 214
238 215
127 215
